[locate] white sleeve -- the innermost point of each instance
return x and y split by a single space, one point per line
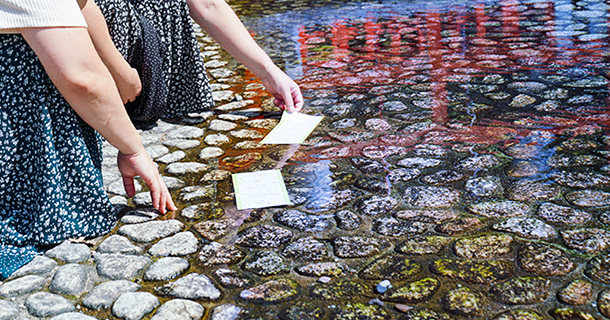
39 13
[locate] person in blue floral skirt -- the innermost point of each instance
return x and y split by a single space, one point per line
56 98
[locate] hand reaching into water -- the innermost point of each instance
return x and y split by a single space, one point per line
140 164
285 91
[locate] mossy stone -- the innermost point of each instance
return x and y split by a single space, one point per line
393 267
425 314
570 314
519 314
482 272
341 289
423 245
358 311
414 292
302 311
522 290
464 301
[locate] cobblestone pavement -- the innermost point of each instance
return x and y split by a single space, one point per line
492 206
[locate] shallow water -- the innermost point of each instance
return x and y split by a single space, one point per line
446 117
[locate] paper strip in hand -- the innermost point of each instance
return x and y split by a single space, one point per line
293 128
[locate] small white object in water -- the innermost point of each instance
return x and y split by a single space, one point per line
324 279
383 286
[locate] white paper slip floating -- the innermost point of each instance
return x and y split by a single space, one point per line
259 189
293 128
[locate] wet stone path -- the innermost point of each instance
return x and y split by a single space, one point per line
438 186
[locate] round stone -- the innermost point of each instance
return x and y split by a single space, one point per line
307 249
555 213
423 245
221 125
481 272
393 267
179 309
431 197
70 252
21 286
139 215
8 310
484 246
166 269
180 244
214 229
134 305
183 168
483 186
587 240
301 221
519 314
263 236
532 190
151 231
40 265
184 132
118 266
543 259
598 268
589 198
193 286
118 244
273 291
69 279
377 205
215 253
44 304
500 209
172 157
73 316
413 292
217 139
464 301
103 295
265 263
358 247
232 279
340 289
526 227
603 303
522 290
226 312
577 292
182 144
323 269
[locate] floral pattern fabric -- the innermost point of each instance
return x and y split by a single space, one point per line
50 162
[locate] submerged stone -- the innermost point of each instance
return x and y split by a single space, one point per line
304 222
152 230
484 246
519 314
443 177
589 198
359 311
214 229
480 162
423 245
104 295
561 214
532 190
192 286
118 266
302 311
232 279
482 272
358 247
570 314
418 163
265 263
483 186
403 174
544 260
308 249
166 269
397 228
263 236
603 303
341 289
577 292
581 179
425 314
413 292
522 290
587 240
377 205
347 220
431 197
598 268
215 253
320 269
459 226
273 291
392 267
525 227
426 215
465 302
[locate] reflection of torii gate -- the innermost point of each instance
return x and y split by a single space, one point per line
407 47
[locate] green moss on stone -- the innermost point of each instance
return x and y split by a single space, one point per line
414 292
392 267
342 289
519 314
522 290
483 272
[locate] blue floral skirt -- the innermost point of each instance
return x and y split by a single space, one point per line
50 163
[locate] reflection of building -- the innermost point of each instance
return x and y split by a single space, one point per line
455 46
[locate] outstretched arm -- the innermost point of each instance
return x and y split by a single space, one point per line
74 67
218 19
125 77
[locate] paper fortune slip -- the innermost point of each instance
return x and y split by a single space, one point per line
293 128
259 189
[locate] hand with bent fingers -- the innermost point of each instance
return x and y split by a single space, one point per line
285 91
129 85
140 164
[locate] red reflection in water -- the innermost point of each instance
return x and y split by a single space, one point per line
352 56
